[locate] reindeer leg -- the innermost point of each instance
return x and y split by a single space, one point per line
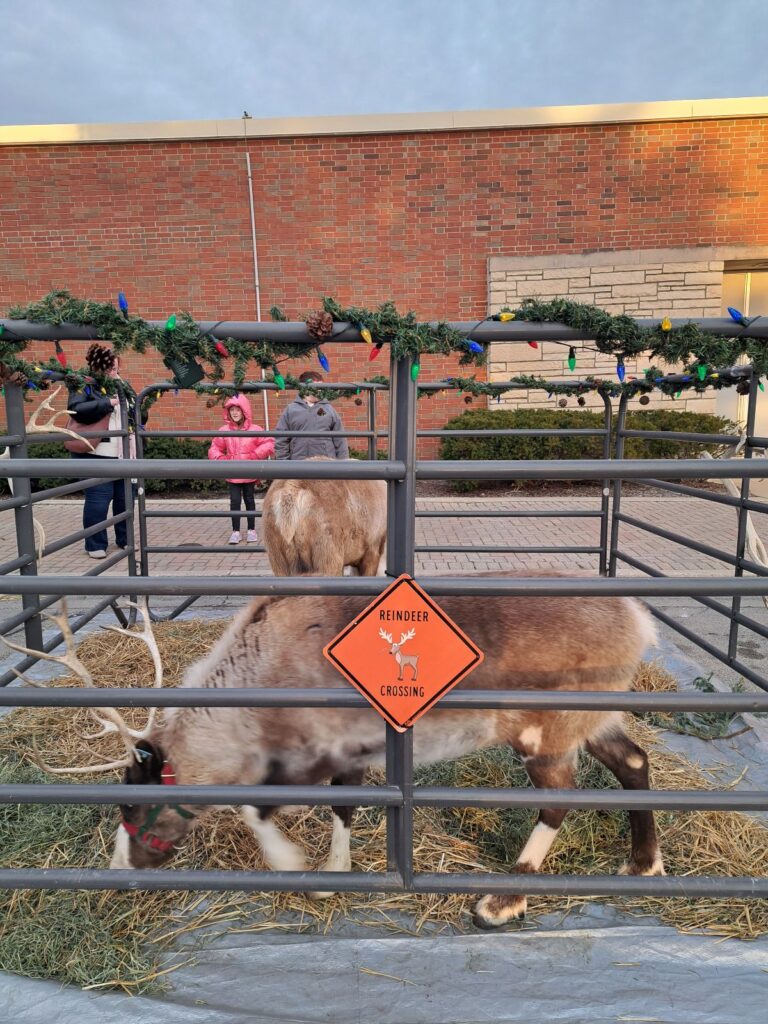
629 763
545 772
279 852
340 858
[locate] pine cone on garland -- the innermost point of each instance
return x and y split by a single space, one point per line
9 376
100 359
320 324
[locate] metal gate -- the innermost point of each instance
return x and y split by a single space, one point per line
401 470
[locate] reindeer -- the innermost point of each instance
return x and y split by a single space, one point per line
321 526
33 427
546 643
402 659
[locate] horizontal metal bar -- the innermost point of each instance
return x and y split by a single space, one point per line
346 697
11 440
295 332
270 796
199 549
682 435
148 880
389 796
589 469
359 469
73 538
437 586
204 469
755 506
587 799
148 434
676 538
513 432
693 492
253 386
755 441
198 514
15 564
592 885
491 549
504 514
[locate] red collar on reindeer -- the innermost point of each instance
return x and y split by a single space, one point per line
141 833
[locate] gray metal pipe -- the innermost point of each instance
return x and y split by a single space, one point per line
354 469
203 469
296 331
437 586
272 796
591 469
346 697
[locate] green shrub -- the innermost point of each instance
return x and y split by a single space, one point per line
573 447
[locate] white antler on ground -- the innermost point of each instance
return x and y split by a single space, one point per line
34 427
109 718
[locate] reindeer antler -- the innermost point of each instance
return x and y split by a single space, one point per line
110 715
386 636
407 636
147 637
33 427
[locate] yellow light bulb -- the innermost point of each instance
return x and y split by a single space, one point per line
504 317
666 324
366 335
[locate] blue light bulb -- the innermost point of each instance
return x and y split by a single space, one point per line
620 371
323 361
736 315
474 346
122 303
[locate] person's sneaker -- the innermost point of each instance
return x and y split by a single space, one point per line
251 537
235 538
99 553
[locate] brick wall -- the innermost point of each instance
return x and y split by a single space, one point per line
412 217
660 283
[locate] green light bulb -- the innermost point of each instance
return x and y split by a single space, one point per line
415 371
170 323
571 358
701 370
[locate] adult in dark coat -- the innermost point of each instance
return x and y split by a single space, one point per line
310 413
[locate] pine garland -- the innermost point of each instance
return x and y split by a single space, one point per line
181 342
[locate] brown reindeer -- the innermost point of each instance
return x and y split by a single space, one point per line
545 643
321 526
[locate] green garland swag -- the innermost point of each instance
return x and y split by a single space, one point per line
181 343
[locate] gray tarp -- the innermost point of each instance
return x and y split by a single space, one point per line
594 968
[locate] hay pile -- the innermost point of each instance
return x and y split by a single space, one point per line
110 939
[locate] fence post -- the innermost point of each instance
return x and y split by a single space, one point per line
741 533
373 442
621 422
401 538
605 507
25 526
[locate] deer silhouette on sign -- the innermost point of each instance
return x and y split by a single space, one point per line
402 659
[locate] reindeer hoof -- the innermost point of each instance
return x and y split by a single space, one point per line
321 895
494 911
646 868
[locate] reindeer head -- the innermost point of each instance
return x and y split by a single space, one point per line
150 834
395 647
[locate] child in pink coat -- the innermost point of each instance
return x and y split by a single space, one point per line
238 416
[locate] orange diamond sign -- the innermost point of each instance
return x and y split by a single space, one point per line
403 653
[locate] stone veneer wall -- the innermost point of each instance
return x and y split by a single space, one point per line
673 282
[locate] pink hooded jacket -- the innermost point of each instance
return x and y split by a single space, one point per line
241 447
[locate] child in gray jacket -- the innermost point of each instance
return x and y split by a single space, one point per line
310 413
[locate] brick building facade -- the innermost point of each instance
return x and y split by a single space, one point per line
637 208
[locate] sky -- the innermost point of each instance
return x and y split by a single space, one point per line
84 61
